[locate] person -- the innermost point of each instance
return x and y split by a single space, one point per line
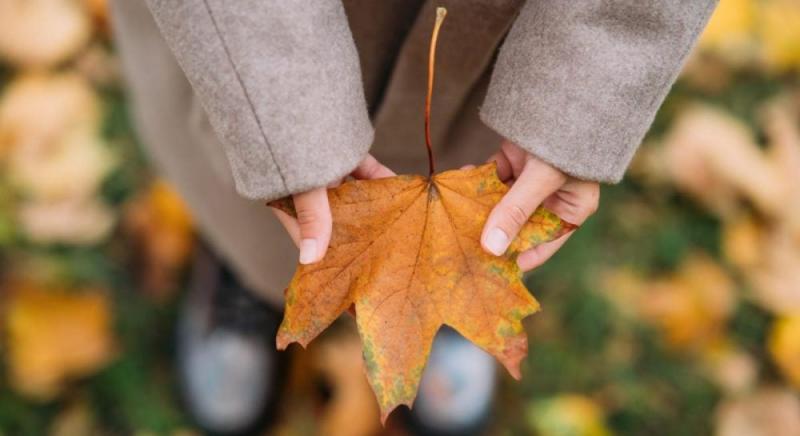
244 102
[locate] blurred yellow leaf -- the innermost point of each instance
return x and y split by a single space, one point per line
54 335
567 415
347 406
766 412
42 33
691 307
49 133
168 207
782 126
74 420
352 410
742 240
714 157
70 221
624 287
99 10
163 237
35 108
784 347
776 279
98 65
779 32
732 369
730 31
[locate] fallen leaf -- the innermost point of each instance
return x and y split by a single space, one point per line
54 335
98 9
624 286
71 167
338 360
42 33
730 32
732 369
162 237
406 252
743 241
75 419
782 126
50 136
783 344
99 66
714 157
567 415
779 32
766 412
37 108
691 307
775 279
70 221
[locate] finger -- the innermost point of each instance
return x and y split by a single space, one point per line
504 170
575 201
370 168
517 157
536 182
314 222
538 255
467 167
289 223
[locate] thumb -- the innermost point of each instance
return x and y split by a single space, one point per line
314 222
535 183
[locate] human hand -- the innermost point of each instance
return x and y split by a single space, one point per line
311 230
534 182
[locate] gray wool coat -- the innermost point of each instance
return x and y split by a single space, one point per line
266 98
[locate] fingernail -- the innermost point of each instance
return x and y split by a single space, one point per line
496 241
308 251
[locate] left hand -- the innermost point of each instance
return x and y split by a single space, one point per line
533 183
311 230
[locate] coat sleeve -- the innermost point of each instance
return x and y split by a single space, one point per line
281 84
578 83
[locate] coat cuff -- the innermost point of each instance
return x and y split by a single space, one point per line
578 84
281 84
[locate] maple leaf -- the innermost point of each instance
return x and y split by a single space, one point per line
405 252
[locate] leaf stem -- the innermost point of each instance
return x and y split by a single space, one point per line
440 14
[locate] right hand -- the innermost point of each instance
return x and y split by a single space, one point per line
534 183
311 230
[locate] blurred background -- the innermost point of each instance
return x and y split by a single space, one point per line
674 311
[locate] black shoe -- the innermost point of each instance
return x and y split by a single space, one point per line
228 364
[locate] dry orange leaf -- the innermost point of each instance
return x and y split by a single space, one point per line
406 252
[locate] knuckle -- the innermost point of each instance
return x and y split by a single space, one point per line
371 169
307 217
515 214
364 166
591 207
593 202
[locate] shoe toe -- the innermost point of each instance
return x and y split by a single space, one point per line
457 386
226 380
